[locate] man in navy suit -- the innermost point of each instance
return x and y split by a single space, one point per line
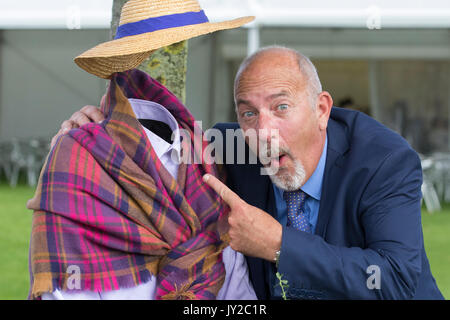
358 232
341 217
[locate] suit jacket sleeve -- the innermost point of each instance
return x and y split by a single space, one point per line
390 216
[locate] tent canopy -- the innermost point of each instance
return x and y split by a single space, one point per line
96 14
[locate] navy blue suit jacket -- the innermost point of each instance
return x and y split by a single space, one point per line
370 215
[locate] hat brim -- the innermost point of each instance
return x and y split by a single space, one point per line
127 53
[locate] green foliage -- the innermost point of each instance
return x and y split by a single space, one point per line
283 284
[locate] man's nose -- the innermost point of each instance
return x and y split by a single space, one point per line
266 127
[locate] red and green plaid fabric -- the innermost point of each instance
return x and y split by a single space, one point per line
106 205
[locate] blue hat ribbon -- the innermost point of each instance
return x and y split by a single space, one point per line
161 23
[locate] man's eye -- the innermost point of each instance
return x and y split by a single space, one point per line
248 114
283 107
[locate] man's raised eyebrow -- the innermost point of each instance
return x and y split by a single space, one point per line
242 101
279 94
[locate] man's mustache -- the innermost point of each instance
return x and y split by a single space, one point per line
268 152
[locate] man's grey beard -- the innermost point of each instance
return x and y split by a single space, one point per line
290 182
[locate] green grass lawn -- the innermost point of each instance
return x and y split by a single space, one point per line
436 233
15 226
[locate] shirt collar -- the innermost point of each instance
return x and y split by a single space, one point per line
144 109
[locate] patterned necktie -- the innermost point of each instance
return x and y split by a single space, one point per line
295 201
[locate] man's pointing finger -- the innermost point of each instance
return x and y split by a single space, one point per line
224 192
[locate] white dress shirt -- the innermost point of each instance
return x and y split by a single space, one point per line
237 285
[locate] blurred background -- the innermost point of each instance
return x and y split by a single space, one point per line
389 59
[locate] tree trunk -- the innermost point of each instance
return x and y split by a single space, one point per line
167 65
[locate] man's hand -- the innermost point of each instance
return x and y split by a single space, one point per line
87 114
253 232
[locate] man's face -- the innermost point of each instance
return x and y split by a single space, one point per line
272 95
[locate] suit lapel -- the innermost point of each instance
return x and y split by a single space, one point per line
259 188
337 146
260 196
331 175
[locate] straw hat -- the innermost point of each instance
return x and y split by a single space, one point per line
147 25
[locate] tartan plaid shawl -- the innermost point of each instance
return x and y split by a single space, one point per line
106 206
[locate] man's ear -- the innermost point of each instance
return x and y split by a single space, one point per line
323 109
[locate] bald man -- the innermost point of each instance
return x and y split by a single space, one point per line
340 216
